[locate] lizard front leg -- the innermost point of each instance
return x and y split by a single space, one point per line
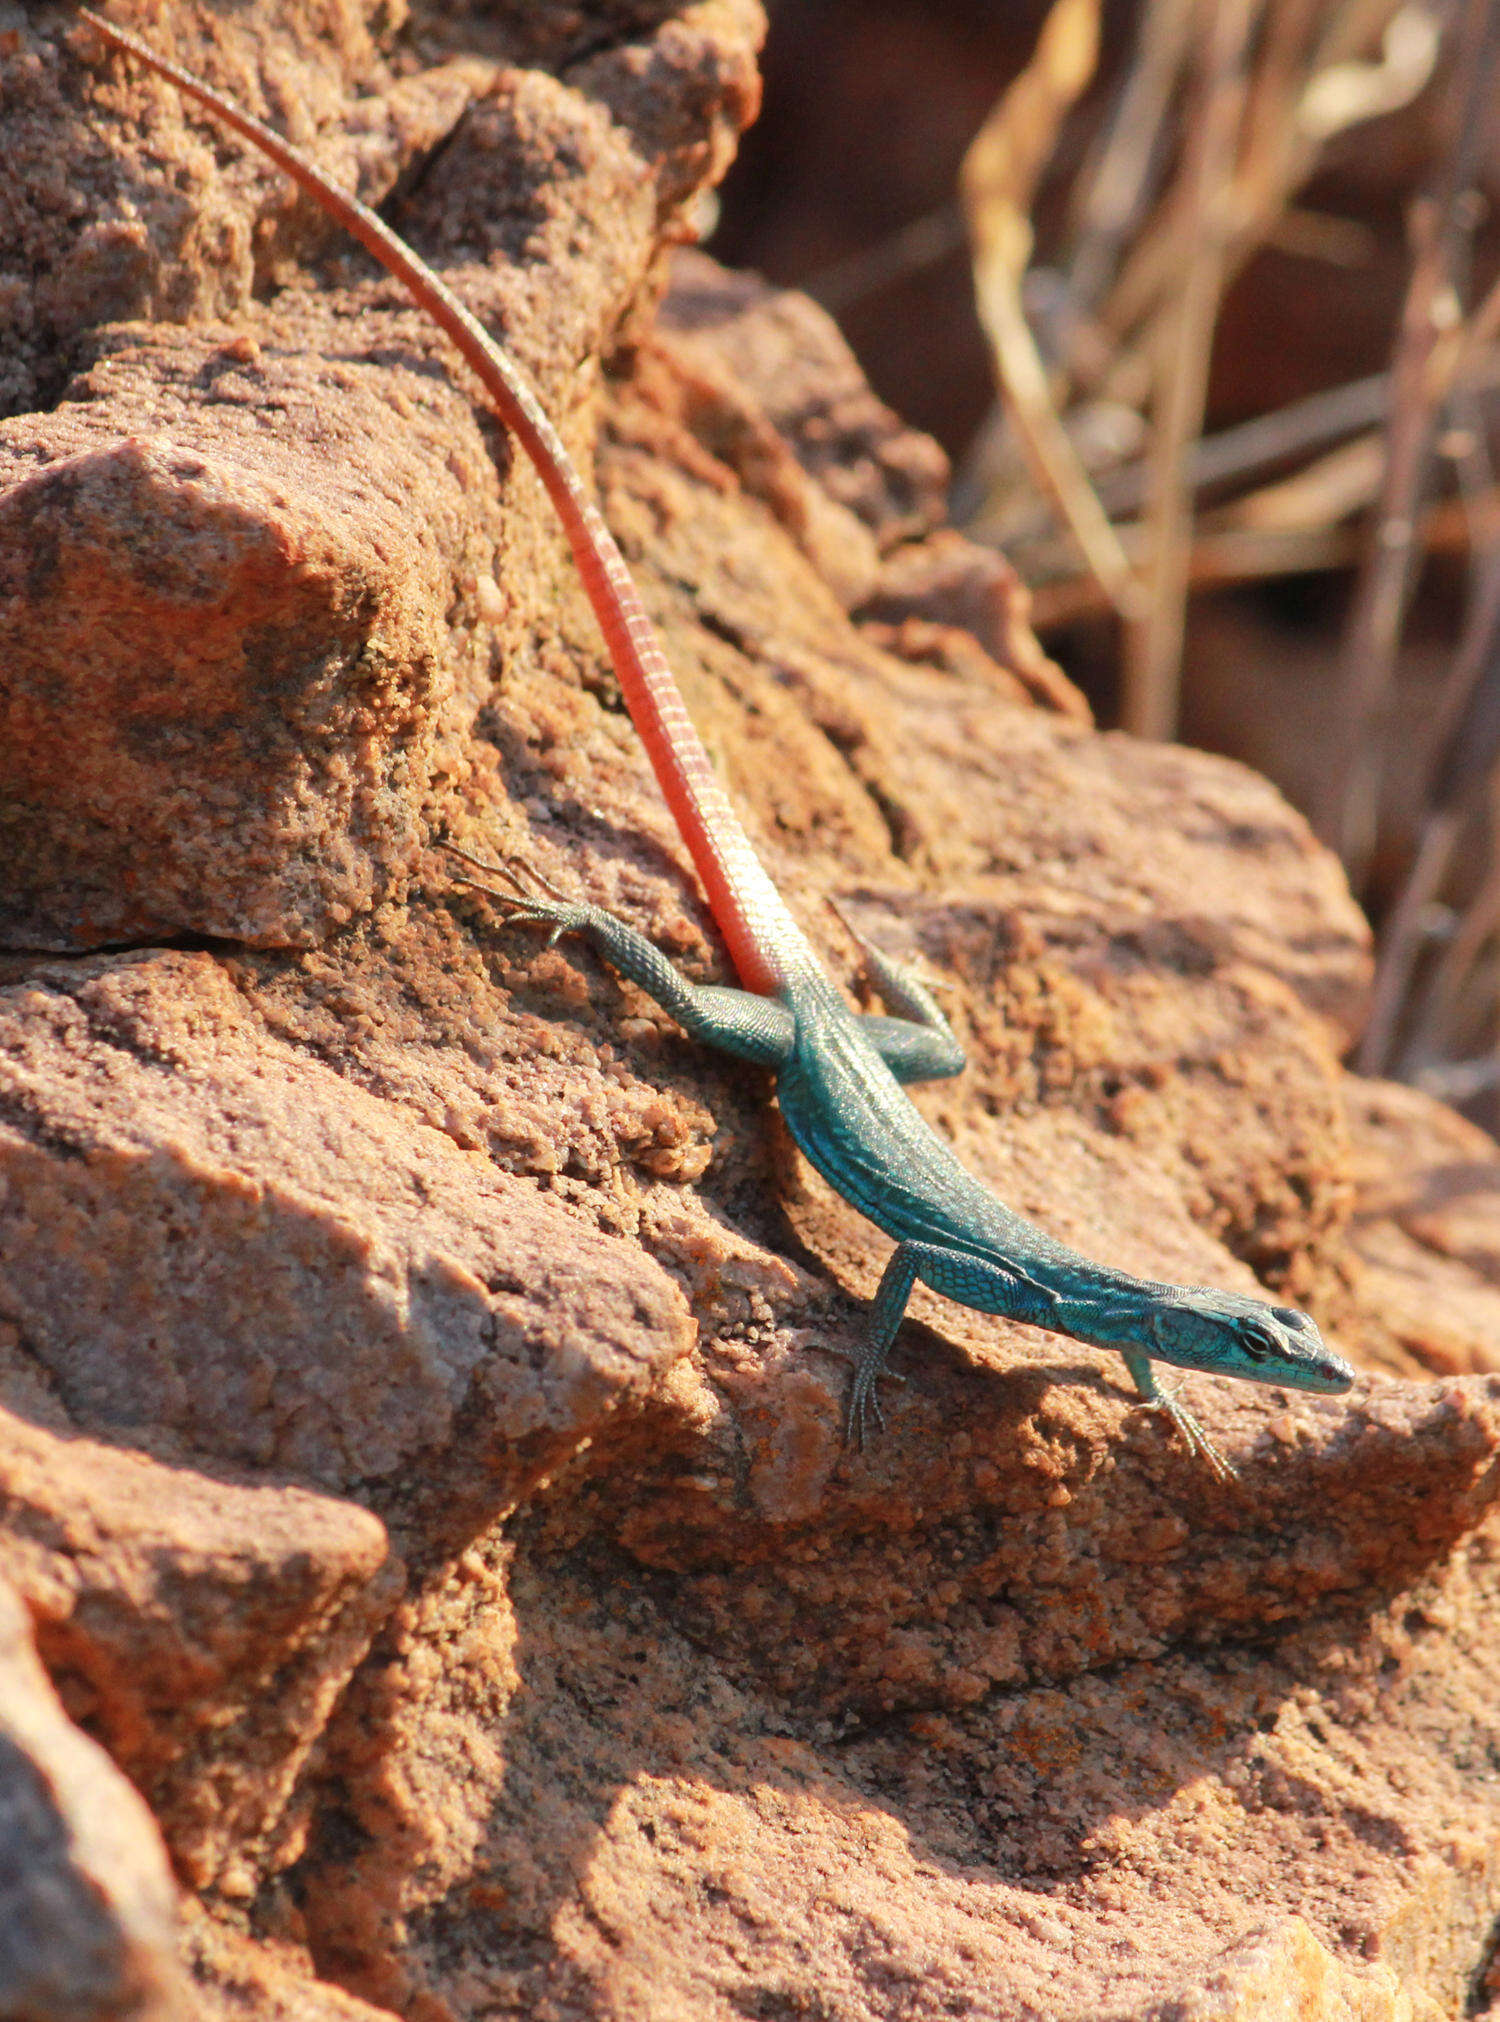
970 1280
1155 1398
990 1288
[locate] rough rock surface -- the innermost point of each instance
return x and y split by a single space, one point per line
185 1254
202 1629
86 1898
417 1462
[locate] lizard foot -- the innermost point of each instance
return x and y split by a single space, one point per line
1191 1433
877 961
524 906
862 1396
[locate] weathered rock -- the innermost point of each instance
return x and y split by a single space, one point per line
773 391
990 1557
260 641
86 1898
760 377
152 219
1425 1235
206 1235
582 1813
257 631
684 1712
236 1978
201 1630
931 595
786 355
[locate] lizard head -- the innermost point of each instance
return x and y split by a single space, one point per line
1230 1335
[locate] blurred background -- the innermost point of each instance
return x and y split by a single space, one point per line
1200 297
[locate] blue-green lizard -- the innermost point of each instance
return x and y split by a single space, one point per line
839 1075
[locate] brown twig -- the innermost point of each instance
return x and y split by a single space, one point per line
1441 225
1404 938
1468 751
923 242
1153 648
1280 72
1108 196
1288 149
1227 553
1439 1014
1113 188
999 177
1214 560
1282 436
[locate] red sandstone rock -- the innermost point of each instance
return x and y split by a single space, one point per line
682 1712
1425 1235
786 355
201 1629
208 1235
235 1977
86 1899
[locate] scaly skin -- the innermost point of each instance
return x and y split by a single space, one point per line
839 1081
839 1075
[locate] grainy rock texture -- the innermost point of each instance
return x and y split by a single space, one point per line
185 1253
86 1899
418 1461
203 1629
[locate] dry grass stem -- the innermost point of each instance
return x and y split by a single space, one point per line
999 178
1153 647
1468 747
1456 1007
1218 462
921 243
1215 560
1404 939
1114 188
1280 153
1224 553
1223 112
1442 223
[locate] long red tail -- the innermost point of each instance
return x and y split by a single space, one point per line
767 945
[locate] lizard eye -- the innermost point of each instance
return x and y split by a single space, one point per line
1256 1340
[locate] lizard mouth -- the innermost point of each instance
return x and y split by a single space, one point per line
1328 1374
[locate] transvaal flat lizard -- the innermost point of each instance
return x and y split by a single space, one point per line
839 1075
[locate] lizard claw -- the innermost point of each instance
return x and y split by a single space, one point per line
524 906
862 1396
1192 1435
516 872
875 957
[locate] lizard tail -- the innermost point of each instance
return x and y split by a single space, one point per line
767 946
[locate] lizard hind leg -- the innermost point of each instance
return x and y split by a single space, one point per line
522 902
918 1044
